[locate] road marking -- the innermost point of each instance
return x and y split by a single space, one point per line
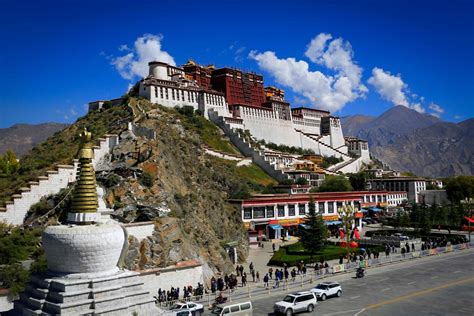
457 271
410 283
359 312
354 297
342 312
381 280
434 277
419 293
385 289
362 284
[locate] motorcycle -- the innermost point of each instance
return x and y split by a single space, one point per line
360 273
218 301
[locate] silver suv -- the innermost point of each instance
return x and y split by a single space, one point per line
296 302
326 289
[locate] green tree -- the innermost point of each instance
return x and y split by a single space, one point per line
358 180
347 215
314 234
335 184
8 163
459 188
301 181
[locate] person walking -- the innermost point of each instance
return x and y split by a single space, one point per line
270 273
265 281
253 275
257 275
412 247
244 279
273 247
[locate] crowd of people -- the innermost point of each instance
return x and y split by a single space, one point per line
174 293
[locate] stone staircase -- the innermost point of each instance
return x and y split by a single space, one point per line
245 148
14 211
317 138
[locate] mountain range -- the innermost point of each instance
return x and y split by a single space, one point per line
407 140
22 137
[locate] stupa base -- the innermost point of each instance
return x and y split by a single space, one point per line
120 294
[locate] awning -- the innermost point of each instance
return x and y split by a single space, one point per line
375 209
332 222
275 226
364 210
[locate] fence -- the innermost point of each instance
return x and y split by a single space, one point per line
283 286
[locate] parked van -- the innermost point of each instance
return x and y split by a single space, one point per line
244 308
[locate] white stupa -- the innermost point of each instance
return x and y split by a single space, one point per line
84 275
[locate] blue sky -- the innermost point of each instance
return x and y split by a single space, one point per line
56 56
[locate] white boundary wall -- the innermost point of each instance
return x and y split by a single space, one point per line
15 211
172 277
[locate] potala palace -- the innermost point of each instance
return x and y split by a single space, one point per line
241 101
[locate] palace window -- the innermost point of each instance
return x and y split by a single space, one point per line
281 211
330 207
270 212
321 207
161 92
301 209
167 95
177 95
247 213
259 212
291 210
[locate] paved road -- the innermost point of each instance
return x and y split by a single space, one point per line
441 285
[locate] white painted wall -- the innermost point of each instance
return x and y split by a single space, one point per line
52 183
172 277
140 230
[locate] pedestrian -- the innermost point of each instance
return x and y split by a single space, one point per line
273 247
265 281
237 269
403 252
286 274
412 247
270 273
257 275
341 259
293 273
326 266
277 278
251 266
253 275
241 270
244 279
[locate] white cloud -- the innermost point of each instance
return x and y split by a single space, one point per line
393 89
390 87
436 108
135 63
325 91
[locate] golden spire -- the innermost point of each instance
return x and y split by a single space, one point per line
85 194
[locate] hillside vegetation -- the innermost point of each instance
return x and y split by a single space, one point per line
61 148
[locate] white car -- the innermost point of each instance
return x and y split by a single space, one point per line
194 308
326 289
296 302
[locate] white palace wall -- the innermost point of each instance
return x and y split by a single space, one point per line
15 211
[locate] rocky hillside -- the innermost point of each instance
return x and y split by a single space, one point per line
172 181
410 141
22 137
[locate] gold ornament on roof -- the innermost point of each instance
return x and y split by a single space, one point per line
85 194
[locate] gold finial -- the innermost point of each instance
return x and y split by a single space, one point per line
85 194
